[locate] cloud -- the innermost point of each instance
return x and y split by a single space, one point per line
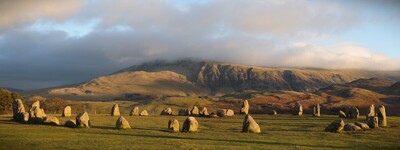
69 42
18 12
341 56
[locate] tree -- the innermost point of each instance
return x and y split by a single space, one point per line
34 98
6 100
53 104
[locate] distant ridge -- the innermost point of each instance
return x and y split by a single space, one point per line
12 89
188 77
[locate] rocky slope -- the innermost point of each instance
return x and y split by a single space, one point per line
185 77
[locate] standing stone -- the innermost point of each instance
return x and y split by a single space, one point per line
273 112
184 112
204 112
82 120
298 109
362 125
195 111
36 115
317 110
66 111
353 112
371 112
225 112
190 125
23 117
115 110
166 111
134 112
221 112
373 122
351 127
245 107
250 125
382 116
173 125
51 120
229 113
342 114
36 104
336 126
17 108
144 113
70 123
122 123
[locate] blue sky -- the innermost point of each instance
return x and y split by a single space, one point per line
73 41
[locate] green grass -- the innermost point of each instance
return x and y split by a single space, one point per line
149 132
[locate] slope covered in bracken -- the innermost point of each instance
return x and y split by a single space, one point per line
191 78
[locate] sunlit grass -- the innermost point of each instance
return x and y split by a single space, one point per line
149 132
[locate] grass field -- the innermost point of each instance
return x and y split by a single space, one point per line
149 132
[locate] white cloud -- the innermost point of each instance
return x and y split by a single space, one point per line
16 12
265 33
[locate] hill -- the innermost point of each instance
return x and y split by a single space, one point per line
193 78
12 89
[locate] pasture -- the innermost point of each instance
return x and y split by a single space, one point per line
150 132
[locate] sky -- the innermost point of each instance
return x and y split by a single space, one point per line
49 43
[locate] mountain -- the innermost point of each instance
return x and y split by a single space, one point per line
377 85
12 89
194 78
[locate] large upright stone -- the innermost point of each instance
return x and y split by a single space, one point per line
18 108
51 120
134 112
66 111
382 116
82 120
353 112
229 113
342 114
36 115
19 113
173 125
371 112
144 113
122 123
36 104
225 112
204 112
317 110
23 117
336 126
250 125
195 111
245 107
221 112
166 111
298 109
273 112
373 122
190 125
115 110
184 112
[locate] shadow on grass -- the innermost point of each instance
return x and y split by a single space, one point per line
151 129
9 122
103 127
224 140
